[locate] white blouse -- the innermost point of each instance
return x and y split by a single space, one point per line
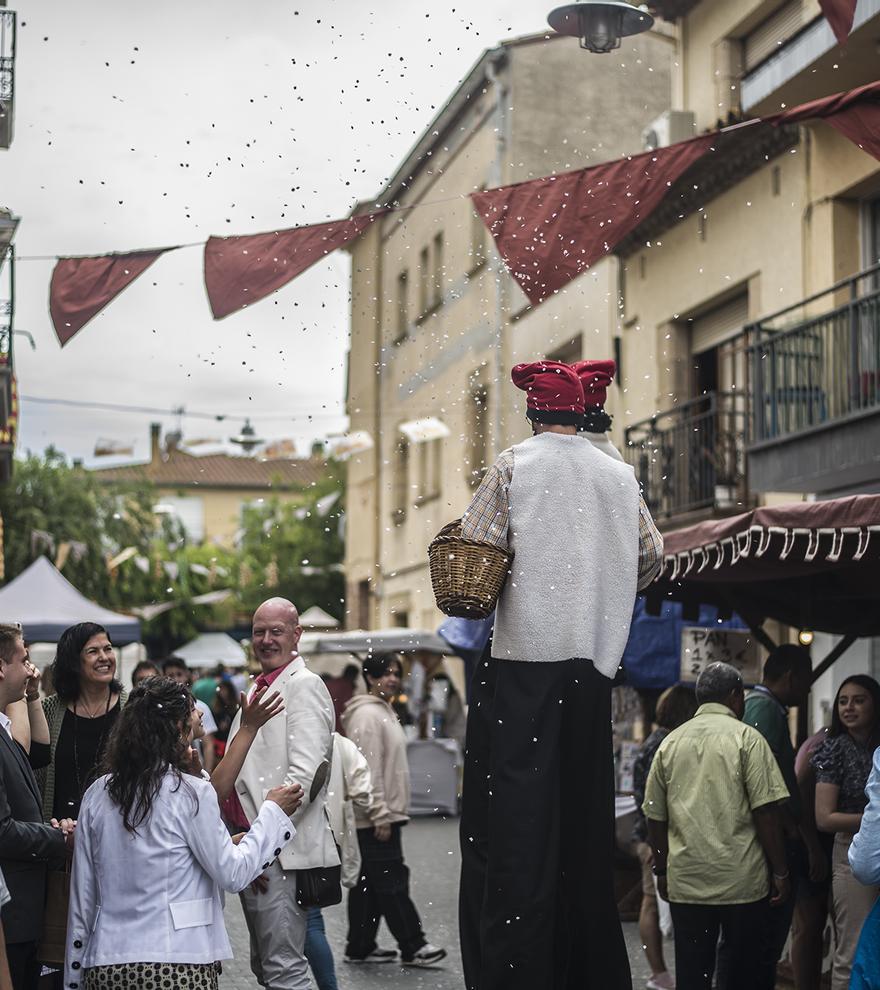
155 896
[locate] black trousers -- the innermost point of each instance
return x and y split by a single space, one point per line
537 906
777 919
382 891
697 927
23 966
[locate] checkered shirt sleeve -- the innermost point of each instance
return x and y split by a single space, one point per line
650 547
487 517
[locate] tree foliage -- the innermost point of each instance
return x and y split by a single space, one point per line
289 549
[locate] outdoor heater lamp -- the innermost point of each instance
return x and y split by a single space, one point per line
599 24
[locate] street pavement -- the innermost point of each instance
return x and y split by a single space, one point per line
431 851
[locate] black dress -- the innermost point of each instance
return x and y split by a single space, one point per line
78 756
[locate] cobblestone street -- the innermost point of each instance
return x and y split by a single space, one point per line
431 849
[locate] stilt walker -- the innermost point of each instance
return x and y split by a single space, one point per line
537 906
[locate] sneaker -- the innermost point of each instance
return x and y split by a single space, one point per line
376 956
428 955
661 981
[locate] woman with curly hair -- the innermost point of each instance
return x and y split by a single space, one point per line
152 855
843 764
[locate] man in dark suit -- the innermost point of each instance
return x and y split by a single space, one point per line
26 844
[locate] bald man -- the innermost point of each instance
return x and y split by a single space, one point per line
287 749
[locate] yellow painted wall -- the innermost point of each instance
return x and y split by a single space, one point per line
223 508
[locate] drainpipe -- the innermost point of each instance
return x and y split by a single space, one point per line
499 269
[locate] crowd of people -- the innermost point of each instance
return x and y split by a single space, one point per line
161 800
156 812
751 843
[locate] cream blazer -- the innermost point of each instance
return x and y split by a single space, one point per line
289 749
155 896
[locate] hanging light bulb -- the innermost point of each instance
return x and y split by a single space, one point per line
600 24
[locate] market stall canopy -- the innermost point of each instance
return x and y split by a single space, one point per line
813 565
210 649
46 603
373 641
316 618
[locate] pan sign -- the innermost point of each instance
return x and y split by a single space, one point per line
737 647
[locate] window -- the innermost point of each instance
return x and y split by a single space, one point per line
437 298
769 36
430 468
424 279
478 242
188 511
571 351
478 435
400 481
363 604
402 306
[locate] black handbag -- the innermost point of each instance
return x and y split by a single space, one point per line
319 887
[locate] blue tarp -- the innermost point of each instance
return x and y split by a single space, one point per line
652 659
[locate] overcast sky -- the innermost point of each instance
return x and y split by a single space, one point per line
143 125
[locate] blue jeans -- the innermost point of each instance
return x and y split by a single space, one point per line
318 951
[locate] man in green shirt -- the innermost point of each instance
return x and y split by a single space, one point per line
787 679
711 803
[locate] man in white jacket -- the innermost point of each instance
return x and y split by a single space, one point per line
288 749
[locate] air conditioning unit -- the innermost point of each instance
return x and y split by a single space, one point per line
669 128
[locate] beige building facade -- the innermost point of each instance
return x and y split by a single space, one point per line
437 322
744 313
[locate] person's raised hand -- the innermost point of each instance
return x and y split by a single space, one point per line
288 798
32 686
259 708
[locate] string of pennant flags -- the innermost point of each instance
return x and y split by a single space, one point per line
547 230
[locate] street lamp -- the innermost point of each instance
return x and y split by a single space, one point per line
247 439
600 24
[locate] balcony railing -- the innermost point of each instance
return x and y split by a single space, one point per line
691 457
811 371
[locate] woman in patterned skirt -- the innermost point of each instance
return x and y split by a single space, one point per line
152 854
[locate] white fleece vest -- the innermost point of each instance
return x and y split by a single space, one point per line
574 530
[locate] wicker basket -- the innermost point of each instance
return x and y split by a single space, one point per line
467 577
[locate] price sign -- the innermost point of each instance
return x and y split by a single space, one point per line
737 647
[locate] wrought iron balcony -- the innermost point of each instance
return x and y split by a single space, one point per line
692 457
811 371
815 416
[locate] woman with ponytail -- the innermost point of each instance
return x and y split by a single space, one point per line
152 855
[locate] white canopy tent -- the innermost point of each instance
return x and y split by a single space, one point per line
46 603
211 649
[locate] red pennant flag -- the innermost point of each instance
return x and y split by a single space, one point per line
550 230
82 287
855 114
840 15
240 271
